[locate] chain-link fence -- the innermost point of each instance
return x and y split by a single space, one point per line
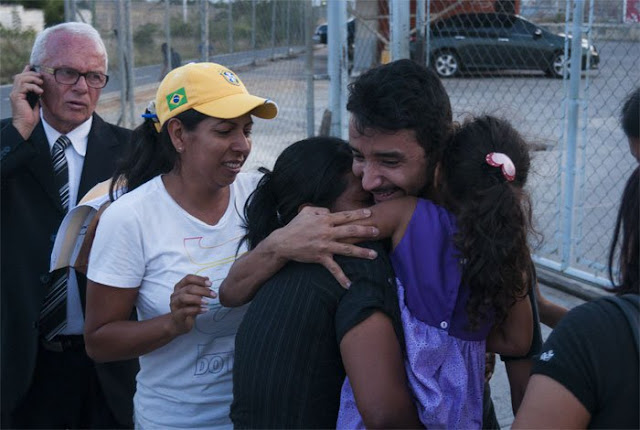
517 67
583 161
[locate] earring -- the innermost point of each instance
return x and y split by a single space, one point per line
180 149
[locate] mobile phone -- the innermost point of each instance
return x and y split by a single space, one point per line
32 97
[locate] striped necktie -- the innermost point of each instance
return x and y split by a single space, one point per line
61 170
53 315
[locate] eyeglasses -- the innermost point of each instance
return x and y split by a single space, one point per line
67 76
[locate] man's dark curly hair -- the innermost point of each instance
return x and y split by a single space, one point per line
493 215
403 95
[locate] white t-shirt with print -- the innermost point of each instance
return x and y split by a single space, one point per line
146 239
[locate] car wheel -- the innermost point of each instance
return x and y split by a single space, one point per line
446 64
557 66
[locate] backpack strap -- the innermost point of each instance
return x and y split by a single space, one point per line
629 304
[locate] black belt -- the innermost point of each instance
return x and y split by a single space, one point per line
62 343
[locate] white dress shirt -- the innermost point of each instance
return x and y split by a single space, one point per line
74 153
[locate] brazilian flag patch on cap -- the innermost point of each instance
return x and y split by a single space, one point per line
176 99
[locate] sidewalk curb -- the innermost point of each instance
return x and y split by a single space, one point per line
578 288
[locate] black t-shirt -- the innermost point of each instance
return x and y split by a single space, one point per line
288 371
592 353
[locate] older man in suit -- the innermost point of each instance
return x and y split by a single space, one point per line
54 149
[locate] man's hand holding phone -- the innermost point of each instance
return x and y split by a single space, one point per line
25 97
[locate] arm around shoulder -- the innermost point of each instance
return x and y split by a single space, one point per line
250 271
392 217
313 236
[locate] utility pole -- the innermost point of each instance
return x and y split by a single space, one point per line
130 69
167 31
204 29
184 11
399 29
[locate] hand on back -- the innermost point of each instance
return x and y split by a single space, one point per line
315 235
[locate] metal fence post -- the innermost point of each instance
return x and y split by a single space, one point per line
399 30
420 30
253 24
572 132
273 28
308 22
336 38
427 45
122 59
204 30
130 68
167 32
344 74
288 25
580 205
230 24
67 10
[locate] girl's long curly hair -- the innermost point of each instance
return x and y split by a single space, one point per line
493 215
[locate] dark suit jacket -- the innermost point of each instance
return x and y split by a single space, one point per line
31 213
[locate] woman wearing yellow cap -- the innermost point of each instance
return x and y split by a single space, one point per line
180 214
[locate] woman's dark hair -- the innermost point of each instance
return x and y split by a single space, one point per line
630 114
493 215
626 237
151 154
309 171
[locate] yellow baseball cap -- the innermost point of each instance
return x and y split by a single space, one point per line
211 89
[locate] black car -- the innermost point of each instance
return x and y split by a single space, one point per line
496 41
320 36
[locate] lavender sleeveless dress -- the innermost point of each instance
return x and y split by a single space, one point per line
444 361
